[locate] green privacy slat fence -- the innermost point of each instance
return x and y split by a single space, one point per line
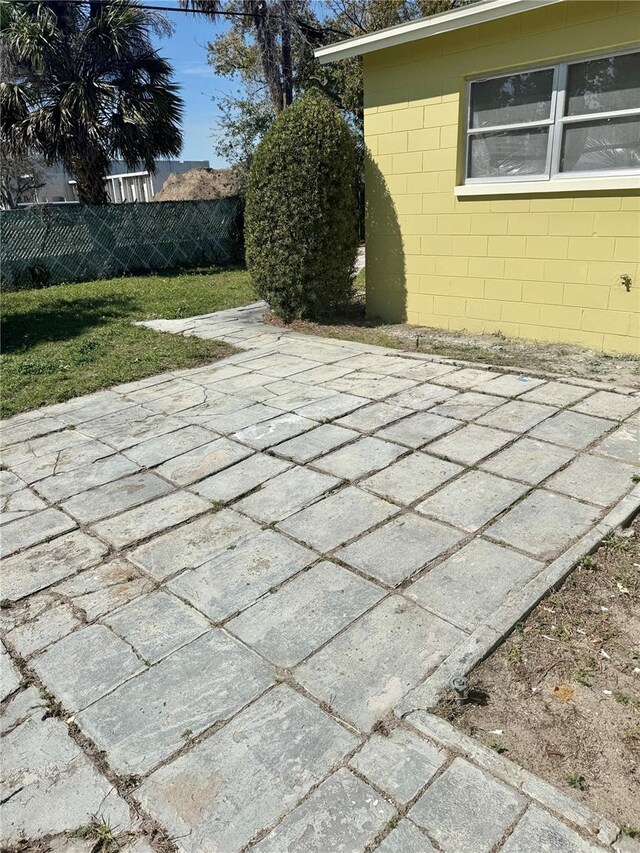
52 244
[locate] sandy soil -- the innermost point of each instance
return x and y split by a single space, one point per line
527 356
561 697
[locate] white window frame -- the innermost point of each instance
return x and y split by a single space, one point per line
556 124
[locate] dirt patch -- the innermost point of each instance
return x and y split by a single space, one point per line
496 349
197 184
561 697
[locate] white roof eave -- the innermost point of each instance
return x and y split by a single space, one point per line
445 22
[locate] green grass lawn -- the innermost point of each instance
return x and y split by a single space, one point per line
72 339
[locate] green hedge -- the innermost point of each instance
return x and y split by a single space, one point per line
301 218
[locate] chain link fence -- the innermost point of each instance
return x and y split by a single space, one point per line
52 244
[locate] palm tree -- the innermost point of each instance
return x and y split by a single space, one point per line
83 85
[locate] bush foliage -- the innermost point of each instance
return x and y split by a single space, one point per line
301 230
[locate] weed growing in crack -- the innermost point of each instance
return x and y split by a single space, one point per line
101 832
577 781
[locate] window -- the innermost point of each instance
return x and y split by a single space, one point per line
568 120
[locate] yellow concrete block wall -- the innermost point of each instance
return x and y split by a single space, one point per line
542 266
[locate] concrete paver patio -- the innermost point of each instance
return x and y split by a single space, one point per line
247 583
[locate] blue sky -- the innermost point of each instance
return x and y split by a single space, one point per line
186 49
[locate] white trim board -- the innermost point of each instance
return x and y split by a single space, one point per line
556 185
445 22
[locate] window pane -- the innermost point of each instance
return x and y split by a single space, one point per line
508 153
603 85
512 100
601 145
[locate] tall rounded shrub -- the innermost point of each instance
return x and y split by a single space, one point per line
301 230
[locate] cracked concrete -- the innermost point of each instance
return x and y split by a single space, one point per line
240 588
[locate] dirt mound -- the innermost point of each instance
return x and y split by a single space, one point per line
199 184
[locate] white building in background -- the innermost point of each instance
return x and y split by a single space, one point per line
122 185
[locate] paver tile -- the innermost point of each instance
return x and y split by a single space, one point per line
304 613
400 764
227 413
50 786
606 404
243 477
274 431
380 363
61 462
114 497
418 429
335 519
51 625
466 377
473 582
399 548
622 444
181 397
423 397
423 371
508 385
192 544
571 429
43 446
106 587
332 407
263 762
157 515
365 671
547 834
372 386
342 814
19 504
544 523
490 807
472 500
468 406
308 446
406 838
528 460
285 494
296 395
279 365
19 431
411 478
158 450
372 417
10 483
145 720
322 374
470 444
25 704
150 426
363 456
157 624
203 461
76 678
61 486
517 416
594 479
35 528
239 576
556 394
44 565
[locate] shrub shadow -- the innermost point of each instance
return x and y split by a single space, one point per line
60 320
385 261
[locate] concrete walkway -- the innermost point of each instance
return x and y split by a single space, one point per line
241 588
